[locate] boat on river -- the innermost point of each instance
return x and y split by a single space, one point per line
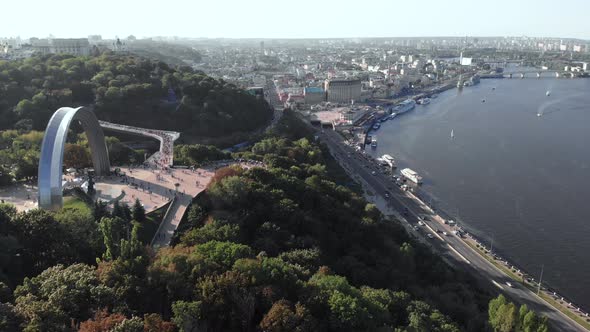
411 175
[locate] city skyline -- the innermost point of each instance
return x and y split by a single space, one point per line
307 19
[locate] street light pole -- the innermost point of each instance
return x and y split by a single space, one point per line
540 280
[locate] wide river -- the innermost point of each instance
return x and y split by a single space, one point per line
509 176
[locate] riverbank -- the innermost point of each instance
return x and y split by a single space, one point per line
511 269
409 210
543 292
536 211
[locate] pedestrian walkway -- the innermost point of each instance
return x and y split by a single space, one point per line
171 220
165 156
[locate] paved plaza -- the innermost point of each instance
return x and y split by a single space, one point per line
153 187
22 196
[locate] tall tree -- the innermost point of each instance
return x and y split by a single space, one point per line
51 300
45 242
99 210
113 231
138 211
188 317
283 316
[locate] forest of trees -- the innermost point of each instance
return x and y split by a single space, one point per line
280 248
172 53
196 154
127 90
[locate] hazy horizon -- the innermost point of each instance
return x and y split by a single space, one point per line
304 19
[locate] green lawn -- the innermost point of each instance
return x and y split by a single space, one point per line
76 203
150 227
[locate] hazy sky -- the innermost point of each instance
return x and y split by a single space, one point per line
295 18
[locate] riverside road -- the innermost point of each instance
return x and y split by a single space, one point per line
451 247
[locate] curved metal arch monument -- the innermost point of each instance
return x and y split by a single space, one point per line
52 152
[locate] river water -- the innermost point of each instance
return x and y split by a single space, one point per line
512 178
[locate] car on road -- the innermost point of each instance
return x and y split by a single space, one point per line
416 228
373 173
420 223
430 236
387 195
445 233
459 233
509 284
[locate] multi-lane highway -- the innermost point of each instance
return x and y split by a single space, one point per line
270 94
392 200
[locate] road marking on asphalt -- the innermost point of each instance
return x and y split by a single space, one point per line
458 254
497 284
434 232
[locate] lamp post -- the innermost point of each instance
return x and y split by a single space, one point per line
540 280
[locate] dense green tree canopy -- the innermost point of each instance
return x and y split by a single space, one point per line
128 90
50 300
505 316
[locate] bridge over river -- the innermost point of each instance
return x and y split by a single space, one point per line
536 74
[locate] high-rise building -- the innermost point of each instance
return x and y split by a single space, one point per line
343 90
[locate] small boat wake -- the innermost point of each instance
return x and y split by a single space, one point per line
546 107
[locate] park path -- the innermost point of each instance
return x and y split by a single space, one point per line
171 220
181 202
179 205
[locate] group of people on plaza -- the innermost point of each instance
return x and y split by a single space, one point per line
163 158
